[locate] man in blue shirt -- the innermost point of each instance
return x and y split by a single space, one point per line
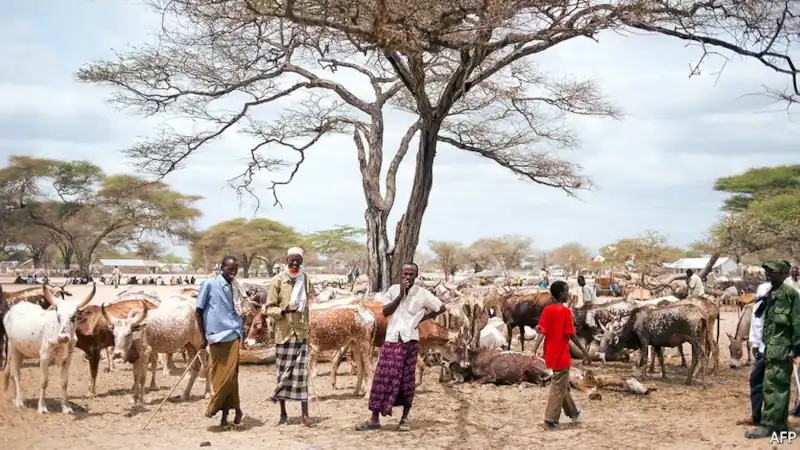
219 312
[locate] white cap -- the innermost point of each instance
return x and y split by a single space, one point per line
295 251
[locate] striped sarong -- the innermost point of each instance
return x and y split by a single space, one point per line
292 361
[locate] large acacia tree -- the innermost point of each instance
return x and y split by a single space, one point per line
86 209
462 67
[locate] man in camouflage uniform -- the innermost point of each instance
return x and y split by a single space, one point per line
781 312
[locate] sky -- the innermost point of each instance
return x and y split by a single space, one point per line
653 169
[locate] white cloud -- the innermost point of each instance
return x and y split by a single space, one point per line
654 168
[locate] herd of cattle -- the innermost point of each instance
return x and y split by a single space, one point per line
468 341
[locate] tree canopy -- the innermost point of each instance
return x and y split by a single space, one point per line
449 255
341 245
249 240
573 256
84 210
762 214
651 250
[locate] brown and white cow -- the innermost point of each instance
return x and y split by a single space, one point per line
94 332
353 327
130 344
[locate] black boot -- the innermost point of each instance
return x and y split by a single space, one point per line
796 409
759 433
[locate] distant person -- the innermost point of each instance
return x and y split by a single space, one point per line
780 311
356 274
287 303
696 288
757 374
557 329
219 309
589 297
543 282
115 277
192 280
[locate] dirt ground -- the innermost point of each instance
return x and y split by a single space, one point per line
465 416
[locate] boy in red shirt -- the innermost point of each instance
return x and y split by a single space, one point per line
556 329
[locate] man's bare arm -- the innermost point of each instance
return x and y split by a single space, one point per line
391 307
537 343
574 339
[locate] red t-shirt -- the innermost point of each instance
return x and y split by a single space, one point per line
556 325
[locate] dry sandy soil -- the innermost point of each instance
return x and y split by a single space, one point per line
465 416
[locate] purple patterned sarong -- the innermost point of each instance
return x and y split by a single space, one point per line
394 380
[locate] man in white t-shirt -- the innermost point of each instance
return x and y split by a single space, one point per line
393 384
696 288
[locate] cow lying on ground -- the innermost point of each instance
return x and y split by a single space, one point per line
130 344
498 367
46 335
667 326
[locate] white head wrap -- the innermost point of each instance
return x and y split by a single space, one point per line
295 251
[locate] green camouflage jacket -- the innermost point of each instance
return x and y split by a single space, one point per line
782 324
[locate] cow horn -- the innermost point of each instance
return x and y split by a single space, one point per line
48 296
143 315
602 327
88 297
105 314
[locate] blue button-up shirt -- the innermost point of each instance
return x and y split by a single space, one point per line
215 301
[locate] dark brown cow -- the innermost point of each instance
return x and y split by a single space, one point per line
94 333
523 310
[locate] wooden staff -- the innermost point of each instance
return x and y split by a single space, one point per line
189 366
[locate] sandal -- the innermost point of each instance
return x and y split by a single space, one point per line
368 427
284 421
312 425
403 426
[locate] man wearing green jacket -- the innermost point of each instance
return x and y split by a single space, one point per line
781 312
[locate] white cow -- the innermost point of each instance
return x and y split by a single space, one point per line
130 344
493 335
171 328
47 335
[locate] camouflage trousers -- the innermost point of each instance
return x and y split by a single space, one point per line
777 391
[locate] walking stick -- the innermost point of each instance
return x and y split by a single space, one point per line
796 364
189 366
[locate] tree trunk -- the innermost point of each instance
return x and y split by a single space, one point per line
246 266
709 265
84 261
411 224
67 253
378 262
